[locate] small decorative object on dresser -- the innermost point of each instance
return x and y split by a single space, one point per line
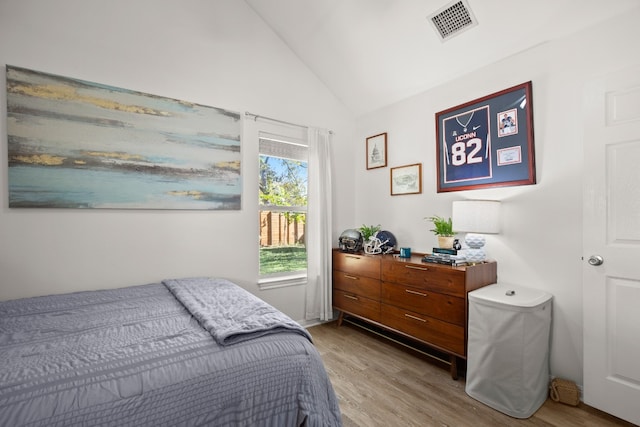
443 228
350 241
426 303
368 231
475 217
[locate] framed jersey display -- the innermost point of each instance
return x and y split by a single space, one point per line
487 142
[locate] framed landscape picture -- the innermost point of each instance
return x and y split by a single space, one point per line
406 179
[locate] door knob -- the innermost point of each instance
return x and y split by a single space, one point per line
595 260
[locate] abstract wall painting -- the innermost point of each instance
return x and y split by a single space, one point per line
78 144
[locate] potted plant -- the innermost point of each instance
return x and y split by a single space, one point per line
443 228
368 231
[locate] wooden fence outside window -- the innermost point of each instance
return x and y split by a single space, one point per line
275 230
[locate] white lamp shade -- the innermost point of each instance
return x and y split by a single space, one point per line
476 216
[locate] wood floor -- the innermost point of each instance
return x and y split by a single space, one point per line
380 383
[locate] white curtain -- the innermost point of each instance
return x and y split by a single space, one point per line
319 241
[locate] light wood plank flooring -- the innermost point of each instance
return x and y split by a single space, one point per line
380 383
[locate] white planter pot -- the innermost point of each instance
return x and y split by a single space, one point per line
445 242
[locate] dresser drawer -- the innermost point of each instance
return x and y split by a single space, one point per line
357 264
357 305
433 304
359 285
435 277
432 331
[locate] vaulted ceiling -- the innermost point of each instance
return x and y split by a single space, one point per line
372 53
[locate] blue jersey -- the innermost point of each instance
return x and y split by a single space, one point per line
466 144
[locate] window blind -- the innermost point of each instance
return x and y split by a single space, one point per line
283 147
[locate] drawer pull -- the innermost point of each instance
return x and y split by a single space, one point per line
352 256
414 318
351 297
417 268
348 276
409 291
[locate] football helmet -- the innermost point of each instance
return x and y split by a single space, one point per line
387 241
350 240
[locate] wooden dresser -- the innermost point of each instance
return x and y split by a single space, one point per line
424 302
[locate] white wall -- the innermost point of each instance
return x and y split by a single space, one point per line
214 52
541 241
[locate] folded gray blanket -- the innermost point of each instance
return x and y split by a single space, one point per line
230 313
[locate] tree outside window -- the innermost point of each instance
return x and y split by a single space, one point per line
283 211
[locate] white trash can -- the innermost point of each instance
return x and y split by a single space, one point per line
508 348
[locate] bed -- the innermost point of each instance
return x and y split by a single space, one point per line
183 352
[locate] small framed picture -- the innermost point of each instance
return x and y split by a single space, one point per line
377 151
406 179
507 122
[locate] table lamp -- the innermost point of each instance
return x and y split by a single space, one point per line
476 217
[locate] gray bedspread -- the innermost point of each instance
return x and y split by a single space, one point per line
137 357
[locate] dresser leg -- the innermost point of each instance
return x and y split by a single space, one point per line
453 360
340 318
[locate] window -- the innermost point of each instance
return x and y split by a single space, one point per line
283 179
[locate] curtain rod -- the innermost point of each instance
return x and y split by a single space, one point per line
257 116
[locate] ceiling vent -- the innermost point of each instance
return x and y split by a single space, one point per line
453 19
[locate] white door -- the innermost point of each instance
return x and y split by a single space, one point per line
611 290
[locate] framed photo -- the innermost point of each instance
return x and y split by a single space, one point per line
487 142
406 179
377 151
